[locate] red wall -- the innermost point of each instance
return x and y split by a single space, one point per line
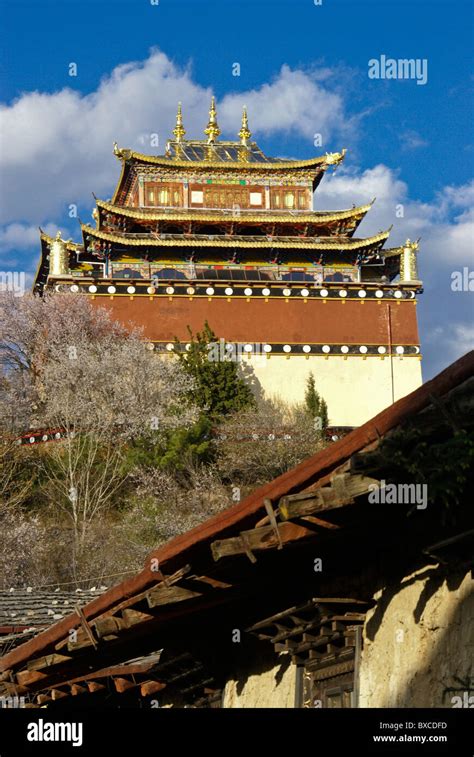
273 321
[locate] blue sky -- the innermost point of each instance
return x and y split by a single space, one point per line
303 71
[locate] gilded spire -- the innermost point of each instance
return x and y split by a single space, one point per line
244 132
179 131
212 129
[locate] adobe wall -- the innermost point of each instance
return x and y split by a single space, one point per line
263 686
424 645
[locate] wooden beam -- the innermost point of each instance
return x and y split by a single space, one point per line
108 626
27 677
123 684
132 617
14 689
43 699
259 539
76 690
166 595
86 627
343 490
58 694
147 688
47 661
94 686
271 516
319 522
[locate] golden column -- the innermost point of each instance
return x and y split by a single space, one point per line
408 262
58 257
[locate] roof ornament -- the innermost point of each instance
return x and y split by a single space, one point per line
212 129
334 158
244 132
408 261
179 131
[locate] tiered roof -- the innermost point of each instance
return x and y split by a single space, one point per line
286 236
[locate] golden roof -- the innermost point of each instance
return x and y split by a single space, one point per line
200 154
176 240
158 214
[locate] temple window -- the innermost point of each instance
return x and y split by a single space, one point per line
289 200
256 198
197 198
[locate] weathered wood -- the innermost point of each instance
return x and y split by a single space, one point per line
319 522
85 626
6 675
343 491
13 689
93 686
123 684
259 539
108 625
28 677
214 582
43 699
172 579
76 690
147 688
47 661
166 595
58 694
273 523
132 617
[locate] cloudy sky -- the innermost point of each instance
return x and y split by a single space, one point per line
302 70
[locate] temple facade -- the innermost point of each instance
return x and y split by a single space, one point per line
217 231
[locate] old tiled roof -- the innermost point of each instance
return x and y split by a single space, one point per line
194 547
36 608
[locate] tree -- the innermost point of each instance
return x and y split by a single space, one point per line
256 445
99 383
218 388
315 404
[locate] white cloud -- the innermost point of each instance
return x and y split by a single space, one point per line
411 140
294 100
20 236
57 148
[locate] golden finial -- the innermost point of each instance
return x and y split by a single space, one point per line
179 131
244 132
212 130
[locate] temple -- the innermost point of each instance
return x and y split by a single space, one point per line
216 230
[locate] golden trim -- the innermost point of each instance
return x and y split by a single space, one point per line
329 159
71 246
151 242
314 217
119 183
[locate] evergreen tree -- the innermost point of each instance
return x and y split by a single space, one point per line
315 404
218 390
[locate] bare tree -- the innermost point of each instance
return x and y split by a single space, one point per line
256 445
99 383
